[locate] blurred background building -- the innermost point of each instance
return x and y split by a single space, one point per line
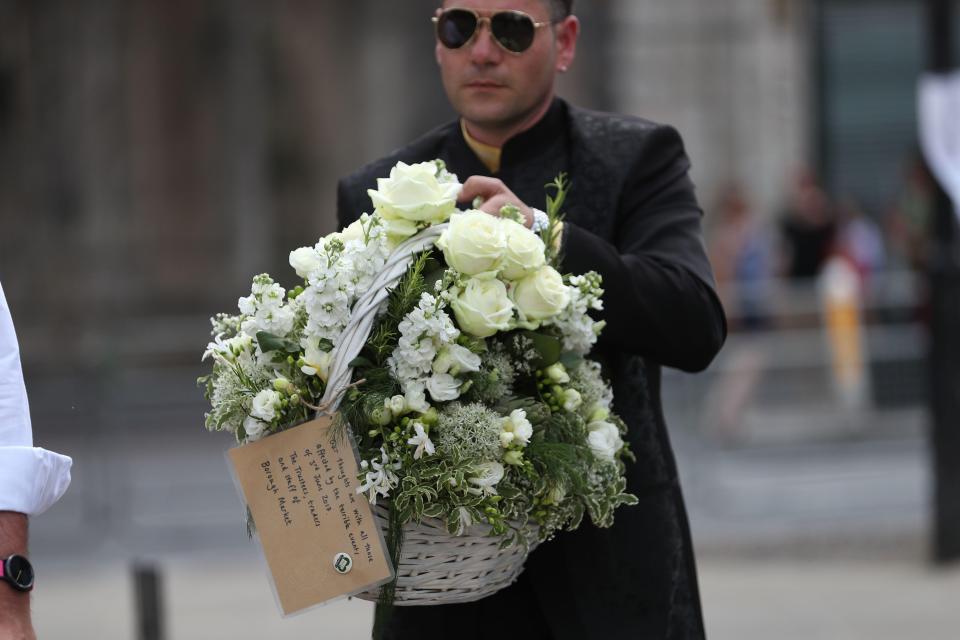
155 154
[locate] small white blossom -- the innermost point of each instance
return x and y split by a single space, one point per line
421 441
379 477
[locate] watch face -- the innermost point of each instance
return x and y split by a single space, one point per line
19 571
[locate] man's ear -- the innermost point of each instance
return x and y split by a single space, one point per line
567 33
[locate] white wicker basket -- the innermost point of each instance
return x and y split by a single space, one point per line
438 568
435 567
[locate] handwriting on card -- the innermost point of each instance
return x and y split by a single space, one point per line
319 536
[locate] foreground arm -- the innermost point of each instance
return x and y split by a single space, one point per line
15 621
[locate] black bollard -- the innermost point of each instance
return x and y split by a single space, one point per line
149 601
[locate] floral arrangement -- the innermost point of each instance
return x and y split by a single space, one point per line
472 400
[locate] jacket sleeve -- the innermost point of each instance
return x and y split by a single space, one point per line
659 299
347 208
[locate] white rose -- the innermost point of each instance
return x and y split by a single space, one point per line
354 231
412 192
474 243
524 253
253 428
483 308
604 439
265 405
487 475
541 295
518 428
454 358
304 261
443 387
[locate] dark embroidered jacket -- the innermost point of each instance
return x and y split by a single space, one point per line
632 216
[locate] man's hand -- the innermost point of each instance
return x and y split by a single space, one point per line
495 195
15 621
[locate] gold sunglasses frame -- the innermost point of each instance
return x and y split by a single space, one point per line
488 20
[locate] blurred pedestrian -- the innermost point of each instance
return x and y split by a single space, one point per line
808 227
741 251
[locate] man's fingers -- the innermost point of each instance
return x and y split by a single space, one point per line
481 186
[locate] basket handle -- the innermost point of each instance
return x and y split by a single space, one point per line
355 334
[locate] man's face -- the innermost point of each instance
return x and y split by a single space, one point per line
497 89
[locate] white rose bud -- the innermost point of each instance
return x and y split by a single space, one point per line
558 373
455 359
304 261
524 252
483 308
541 295
265 405
571 400
474 243
397 404
412 192
514 457
604 439
599 412
253 428
317 361
506 437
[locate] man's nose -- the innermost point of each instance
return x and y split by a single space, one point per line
484 50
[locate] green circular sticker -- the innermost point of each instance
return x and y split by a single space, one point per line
342 562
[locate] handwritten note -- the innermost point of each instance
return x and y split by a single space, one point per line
318 534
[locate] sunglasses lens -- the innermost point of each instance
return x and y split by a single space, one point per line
513 30
455 27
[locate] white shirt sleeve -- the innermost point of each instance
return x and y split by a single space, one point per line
31 479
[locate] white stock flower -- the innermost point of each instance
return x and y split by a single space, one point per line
414 193
541 295
483 308
604 439
517 427
379 476
443 387
524 252
265 405
416 398
474 243
421 441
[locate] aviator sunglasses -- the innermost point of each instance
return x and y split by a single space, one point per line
513 30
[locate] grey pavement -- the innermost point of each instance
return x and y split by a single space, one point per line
798 536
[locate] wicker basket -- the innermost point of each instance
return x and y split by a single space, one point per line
435 567
438 568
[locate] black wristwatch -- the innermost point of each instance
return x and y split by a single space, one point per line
17 572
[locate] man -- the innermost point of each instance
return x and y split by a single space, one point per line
31 480
632 216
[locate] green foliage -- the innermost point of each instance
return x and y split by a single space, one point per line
551 235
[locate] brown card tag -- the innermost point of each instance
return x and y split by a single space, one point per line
318 534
